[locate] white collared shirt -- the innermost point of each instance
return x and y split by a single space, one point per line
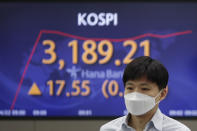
159 122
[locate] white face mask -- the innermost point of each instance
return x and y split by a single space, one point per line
138 103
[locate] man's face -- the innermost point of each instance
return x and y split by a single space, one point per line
142 86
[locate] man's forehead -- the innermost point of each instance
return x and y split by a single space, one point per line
132 82
141 81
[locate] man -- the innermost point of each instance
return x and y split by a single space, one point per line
145 81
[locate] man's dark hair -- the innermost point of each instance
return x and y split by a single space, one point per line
152 69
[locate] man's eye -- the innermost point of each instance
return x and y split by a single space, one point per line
145 89
129 88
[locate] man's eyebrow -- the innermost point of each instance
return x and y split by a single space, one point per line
144 84
129 83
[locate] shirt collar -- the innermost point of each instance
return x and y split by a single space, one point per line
126 119
157 120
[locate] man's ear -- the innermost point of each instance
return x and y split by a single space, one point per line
164 93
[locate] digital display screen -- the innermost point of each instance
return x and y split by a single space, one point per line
67 59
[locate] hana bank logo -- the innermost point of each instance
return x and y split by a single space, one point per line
101 19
